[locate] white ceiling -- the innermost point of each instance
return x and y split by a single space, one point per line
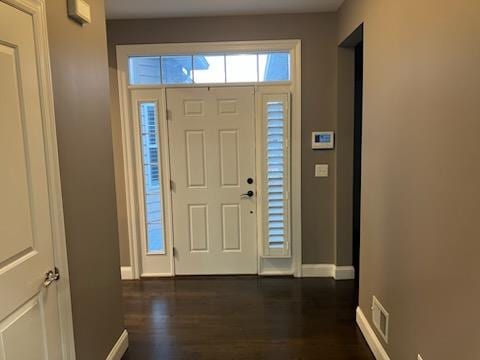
128 9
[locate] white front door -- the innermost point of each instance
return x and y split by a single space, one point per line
29 318
212 159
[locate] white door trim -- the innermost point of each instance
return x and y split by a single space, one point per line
124 51
162 262
36 8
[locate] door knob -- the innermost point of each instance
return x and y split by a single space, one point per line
249 193
50 277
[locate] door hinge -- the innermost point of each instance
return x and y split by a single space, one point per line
169 114
172 185
174 251
51 276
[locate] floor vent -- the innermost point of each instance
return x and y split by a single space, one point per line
380 318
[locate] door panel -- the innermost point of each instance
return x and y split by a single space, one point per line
29 324
231 227
212 154
229 154
27 320
196 162
198 216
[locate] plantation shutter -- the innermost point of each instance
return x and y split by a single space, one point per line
149 130
276 110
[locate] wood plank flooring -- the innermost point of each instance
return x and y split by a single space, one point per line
245 317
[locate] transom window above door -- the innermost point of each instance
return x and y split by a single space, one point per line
209 68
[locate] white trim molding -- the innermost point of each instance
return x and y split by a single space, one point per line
318 270
119 348
328 270
344 273
126 273
133 203
370 336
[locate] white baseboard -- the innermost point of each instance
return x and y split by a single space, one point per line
126 272
119 348
318 270
275 273
344 273
372 339
328 270
156 275
308 270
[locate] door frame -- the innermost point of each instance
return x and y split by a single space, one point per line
270 266
37 9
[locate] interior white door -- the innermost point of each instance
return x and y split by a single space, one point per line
212 157
29 320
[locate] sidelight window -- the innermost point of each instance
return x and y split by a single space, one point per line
151 178
276 175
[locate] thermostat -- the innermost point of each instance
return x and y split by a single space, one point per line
323 139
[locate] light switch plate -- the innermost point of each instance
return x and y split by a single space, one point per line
321 170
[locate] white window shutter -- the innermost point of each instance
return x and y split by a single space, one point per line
276 202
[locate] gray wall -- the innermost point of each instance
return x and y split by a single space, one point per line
420 190
318 35
81 95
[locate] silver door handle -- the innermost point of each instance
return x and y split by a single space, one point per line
50 277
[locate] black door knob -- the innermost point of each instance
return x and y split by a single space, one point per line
249 193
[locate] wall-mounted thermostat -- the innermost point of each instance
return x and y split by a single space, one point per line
323 140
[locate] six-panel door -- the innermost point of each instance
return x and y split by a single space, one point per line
212 155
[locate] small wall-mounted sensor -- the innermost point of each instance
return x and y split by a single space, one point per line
79 10
323 140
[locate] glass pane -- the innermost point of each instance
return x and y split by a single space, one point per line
151 178
209 69
241 68
177 69
274 67
155 238
144 70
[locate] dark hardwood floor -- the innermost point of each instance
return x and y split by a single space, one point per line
242 318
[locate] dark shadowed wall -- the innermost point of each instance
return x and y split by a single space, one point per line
318 35
420 182
81 95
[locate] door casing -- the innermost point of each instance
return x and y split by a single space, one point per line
267 266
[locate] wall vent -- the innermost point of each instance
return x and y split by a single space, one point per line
380 318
